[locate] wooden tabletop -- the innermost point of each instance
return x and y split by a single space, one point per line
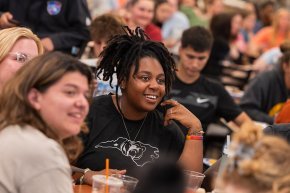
82 189
88 189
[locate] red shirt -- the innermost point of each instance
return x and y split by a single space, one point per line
153 32
284 115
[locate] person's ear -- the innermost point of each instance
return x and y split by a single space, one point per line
34 98
123 84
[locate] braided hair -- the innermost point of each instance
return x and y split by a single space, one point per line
124 51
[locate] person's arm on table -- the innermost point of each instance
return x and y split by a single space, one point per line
84 176
192 154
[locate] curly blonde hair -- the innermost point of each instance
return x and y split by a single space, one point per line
258 162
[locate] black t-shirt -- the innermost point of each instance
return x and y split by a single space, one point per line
265 95
108 139
206 99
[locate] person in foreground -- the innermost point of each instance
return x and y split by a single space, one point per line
257 163
128 129
17 46
41 107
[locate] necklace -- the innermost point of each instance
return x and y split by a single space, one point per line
126 126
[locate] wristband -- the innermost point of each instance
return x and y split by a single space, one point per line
194 137
83 176
197 133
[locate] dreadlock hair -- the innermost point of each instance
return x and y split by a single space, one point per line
124 51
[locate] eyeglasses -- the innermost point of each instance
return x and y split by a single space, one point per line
20 57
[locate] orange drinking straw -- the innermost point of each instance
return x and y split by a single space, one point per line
107 175
107 168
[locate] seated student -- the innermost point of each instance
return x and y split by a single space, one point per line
128 129
270 59
173 27
17 46
104 28
207 99
61 25
42 107
140 13
225 28
267 93
257 163
272 36
193 13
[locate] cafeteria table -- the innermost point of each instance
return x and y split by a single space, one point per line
82 189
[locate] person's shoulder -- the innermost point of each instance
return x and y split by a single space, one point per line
210 82
272 52
186 10
102 106
180 16
29 143
152 27
101 100
265 31
178 20
271 57
26 154
268 76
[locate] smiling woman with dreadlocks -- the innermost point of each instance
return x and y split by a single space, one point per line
128 129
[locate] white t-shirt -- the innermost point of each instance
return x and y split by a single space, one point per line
32 163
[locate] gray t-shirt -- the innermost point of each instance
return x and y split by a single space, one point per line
32 163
